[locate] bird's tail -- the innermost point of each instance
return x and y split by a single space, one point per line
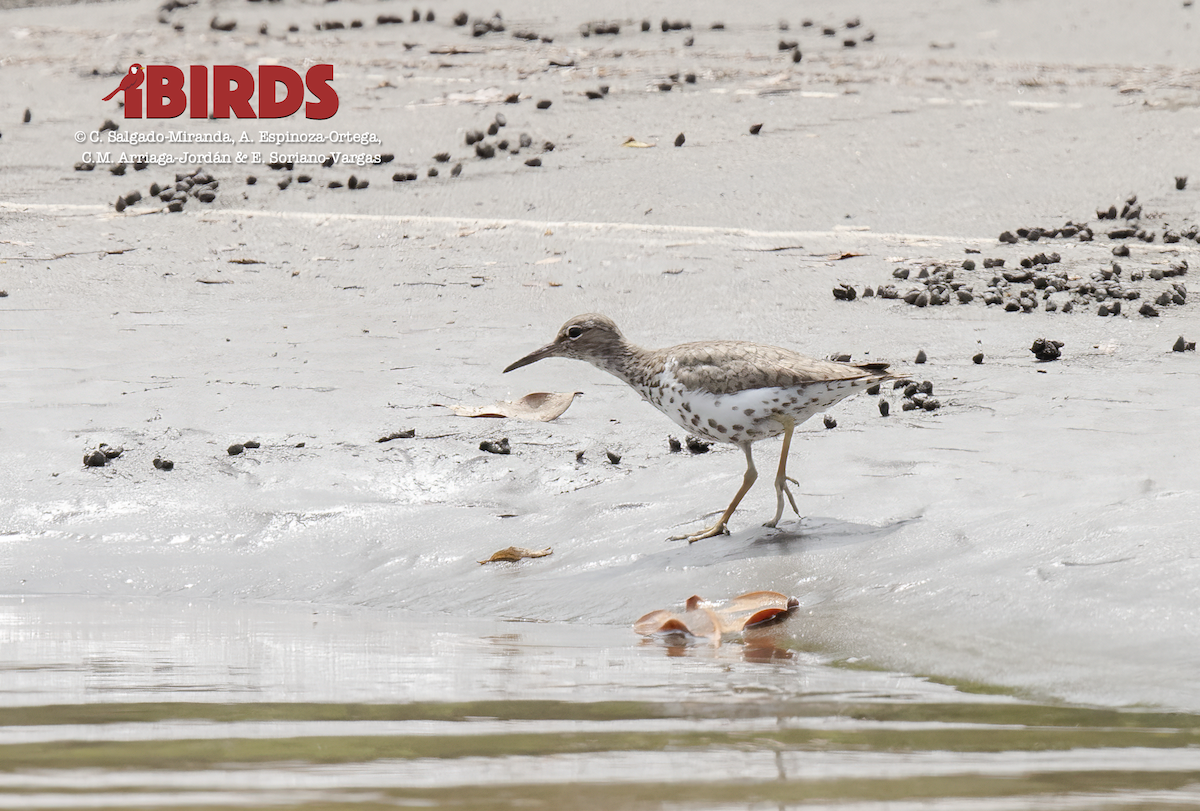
110 95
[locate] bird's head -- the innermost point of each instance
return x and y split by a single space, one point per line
135 69
591 337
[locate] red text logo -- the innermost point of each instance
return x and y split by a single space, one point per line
232 92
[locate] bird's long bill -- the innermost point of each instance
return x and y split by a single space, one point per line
547 351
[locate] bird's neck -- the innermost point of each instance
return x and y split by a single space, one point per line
625 361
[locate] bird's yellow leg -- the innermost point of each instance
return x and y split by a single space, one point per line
719 527
781 478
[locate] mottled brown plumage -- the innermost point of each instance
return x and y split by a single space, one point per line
726 391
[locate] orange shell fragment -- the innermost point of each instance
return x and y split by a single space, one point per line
714 620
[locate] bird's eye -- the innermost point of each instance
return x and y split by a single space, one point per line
574 332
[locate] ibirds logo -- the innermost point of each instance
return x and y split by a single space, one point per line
232 92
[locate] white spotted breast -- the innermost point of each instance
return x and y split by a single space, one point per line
741 416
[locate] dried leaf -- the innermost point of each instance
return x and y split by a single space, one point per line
634 143
541 406
515 553
549 260
713 620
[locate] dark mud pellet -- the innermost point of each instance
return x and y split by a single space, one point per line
502 447
472 137
512 98
868 292
900 273
679 139
695 445
303 179
674 445
1008 237
593 95
884 407
485 151
613 458
251 180
930 404
873 389
362 184
119 205
968 264
235 449
461 18
95 459
327 162
665 87
547 146
977 358
1181 182
389 19
964 296
493 128
1121 250
429 16
787 44
28 115
796 55
283 184
579 457
335 184
1146 309
525 140
387 157
1102 310
1180 345
164 464
407 433
689 78
206 196
432 172
755 129
910 389
456 171
908 405
830 422
534 162
82 166
442 157
544 104
175 205
1046 349
921 356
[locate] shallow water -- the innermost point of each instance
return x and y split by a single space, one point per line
134 703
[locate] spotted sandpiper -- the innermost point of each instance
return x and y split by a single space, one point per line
724 391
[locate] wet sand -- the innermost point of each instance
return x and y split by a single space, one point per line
1025 545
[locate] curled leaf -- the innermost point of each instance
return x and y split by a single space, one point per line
515 553
542 406
636 144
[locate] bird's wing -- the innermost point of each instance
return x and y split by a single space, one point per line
723 367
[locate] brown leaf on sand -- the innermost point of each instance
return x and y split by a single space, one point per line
714 620
541 406
515 553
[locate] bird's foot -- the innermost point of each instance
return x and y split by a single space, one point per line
714 530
